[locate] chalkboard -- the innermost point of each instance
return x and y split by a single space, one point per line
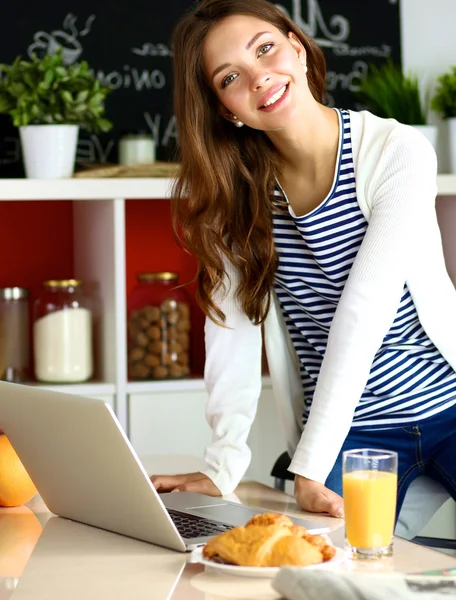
128 46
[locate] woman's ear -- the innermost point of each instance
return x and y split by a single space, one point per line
297 45
228 115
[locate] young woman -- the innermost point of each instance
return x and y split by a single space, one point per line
319 225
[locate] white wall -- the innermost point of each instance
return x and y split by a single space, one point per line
429 49
428 35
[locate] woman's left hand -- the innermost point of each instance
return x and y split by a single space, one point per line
315 497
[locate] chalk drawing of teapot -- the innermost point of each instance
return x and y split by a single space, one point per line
65 38
49 43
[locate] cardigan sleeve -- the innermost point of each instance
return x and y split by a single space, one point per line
233 381
402 190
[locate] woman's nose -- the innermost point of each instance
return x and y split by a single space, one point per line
259 79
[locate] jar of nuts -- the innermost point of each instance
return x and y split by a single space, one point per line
158 328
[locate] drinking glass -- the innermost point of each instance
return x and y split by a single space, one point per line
369 478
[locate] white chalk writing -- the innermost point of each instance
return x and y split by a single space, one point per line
155 122
170 131
92 150
149 49
383 51
315 23
347 81
139 79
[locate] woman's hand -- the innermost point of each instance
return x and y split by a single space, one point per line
189 482
315 497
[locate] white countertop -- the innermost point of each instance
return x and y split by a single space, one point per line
43 557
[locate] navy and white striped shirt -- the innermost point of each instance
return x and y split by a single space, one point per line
409 379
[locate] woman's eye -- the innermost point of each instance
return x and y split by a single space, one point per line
265 48
228 79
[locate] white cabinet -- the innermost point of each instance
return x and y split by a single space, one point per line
168 422
105 392
266 439
172 421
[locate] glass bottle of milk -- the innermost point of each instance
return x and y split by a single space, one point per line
62 333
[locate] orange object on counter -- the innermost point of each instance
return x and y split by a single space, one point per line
19 533
16 487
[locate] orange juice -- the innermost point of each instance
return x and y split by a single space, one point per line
370 508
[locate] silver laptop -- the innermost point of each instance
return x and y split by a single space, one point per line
85 469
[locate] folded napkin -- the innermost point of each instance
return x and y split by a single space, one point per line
295 583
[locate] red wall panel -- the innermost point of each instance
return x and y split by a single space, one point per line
36 243
150 246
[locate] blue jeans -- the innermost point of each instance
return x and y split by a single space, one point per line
425 447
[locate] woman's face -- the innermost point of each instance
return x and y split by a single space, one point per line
256 72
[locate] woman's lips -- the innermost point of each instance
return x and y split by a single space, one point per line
278 102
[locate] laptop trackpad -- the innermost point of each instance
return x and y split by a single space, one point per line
226 513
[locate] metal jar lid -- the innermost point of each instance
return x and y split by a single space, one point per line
13 293
62 283
159 276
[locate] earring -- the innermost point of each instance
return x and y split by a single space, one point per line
238 123
304 66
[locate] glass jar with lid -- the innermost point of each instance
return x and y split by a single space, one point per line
62 333
158 328
14 334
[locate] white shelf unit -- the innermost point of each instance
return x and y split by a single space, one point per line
85 189
159 416
145 188
148 411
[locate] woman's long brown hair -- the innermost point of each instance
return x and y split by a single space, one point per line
222 199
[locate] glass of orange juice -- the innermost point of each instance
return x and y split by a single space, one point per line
369 481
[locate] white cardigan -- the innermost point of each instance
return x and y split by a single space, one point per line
395 171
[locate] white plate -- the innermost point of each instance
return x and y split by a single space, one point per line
197 556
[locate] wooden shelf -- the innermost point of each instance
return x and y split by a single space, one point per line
130 188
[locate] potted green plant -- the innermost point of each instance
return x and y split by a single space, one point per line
389 93
444 104
49 101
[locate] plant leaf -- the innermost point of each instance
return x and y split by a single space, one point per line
391 94
45 90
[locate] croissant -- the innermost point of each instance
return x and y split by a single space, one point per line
268 540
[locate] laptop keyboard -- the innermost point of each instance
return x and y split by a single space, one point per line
191 526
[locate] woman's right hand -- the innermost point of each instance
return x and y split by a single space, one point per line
189 482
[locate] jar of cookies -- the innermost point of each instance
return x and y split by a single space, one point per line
158 328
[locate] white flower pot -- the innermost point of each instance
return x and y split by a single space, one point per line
49 151
452 143
429 132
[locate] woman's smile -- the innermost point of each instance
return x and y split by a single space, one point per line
273 98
